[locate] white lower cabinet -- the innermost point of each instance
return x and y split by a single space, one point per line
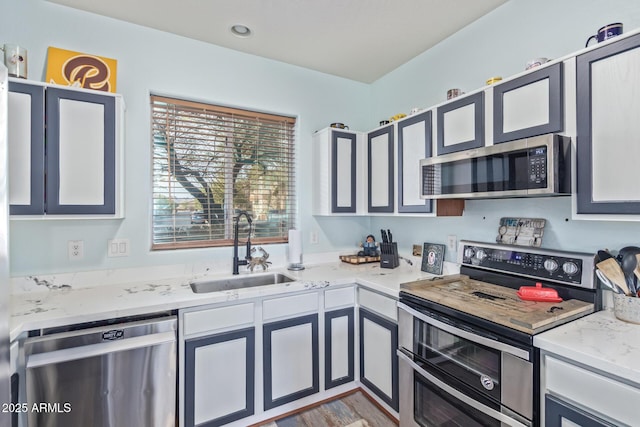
290 360
575 395
243 363
219 372
339 336
378 328
217 375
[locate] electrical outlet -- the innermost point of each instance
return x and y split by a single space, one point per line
75 249
118 247
313 237
452 242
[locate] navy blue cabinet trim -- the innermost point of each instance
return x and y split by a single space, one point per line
191 346
556 101
36 205
422 117
328 316
393 328
334 172
267 329
53 98
478 140
556 410
390 196
585 202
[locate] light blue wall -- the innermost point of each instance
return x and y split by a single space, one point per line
500 44
154 61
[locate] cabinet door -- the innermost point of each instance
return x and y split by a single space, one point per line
460 124
26 149
338 347
380 170
529 105
378 359
562 414
81 153
414 144
608 108
290 360
343 172
219 378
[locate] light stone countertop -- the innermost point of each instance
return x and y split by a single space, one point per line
599 341
56 300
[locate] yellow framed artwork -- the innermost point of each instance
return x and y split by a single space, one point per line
69 68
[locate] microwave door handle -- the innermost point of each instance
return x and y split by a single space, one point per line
459 395
479 339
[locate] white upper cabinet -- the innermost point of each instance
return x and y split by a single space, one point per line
380 167
65 148
339 172
529 105
608 108
414 136
460 124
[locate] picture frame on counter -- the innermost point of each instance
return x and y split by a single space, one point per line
432 258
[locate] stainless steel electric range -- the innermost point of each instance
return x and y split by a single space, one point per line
466 341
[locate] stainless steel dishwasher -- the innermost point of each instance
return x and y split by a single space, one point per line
111 375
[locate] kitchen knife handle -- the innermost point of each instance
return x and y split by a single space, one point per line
389 235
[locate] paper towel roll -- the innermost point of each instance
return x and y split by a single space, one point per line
295 247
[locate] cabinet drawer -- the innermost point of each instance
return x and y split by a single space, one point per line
339 298
218 318
290 306
378 303
593 391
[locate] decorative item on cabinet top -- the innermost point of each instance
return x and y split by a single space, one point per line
76 69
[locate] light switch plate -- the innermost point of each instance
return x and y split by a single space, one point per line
117 248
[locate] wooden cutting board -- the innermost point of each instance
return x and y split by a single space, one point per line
497 304
355 259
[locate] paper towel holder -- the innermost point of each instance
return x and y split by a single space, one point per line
295 250
295 266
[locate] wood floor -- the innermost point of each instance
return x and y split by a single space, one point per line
353 410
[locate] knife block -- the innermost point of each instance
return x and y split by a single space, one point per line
389 255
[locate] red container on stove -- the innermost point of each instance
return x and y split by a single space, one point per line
538 293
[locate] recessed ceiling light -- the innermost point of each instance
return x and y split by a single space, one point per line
240 30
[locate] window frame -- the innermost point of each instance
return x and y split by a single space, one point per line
253 118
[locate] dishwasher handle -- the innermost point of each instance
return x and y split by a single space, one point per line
91 350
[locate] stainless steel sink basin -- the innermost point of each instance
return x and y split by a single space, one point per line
238 282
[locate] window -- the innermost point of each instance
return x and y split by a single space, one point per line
209 163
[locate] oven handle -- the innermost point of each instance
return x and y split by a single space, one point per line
479 339
458 395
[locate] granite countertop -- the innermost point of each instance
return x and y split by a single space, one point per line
60 300
599 341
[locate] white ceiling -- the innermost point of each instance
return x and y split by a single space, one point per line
361 40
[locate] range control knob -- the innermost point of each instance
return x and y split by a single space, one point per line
550 265
481 254
469 252
570 268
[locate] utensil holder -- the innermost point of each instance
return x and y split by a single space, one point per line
626 308
389 255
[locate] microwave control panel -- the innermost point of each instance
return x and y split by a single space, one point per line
538 167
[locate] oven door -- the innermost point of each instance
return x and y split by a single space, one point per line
468 366
429 401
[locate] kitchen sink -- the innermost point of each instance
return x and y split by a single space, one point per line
204 286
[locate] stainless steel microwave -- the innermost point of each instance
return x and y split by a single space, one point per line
537 166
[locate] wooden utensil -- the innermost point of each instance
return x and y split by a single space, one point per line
612 270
